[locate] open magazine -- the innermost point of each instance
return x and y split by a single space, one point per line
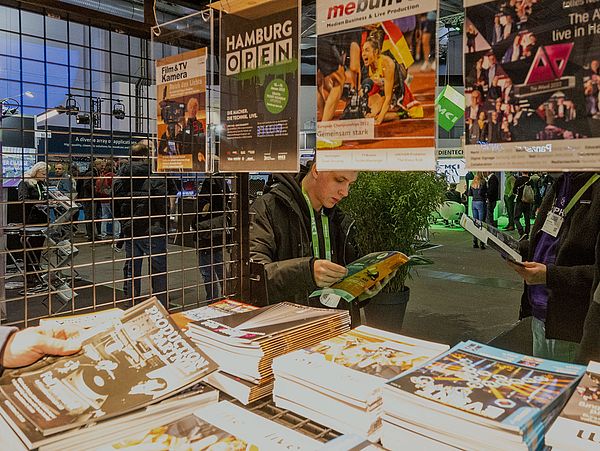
140 359
363 274
489 235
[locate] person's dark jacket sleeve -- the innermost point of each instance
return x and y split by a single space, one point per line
5 334
284 278
590 343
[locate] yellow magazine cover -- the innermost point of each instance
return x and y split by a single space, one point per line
363 274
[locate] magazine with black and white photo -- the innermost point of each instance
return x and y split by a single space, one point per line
141 359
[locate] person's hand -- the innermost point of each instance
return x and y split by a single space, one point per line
327 273
375 289
533 273
29 345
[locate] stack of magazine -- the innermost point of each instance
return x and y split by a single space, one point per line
222 426
339 382
138 360
578 425
476 397
244 344
224 307
242 390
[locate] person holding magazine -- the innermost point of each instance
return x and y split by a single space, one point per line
478 191
301 237
560 259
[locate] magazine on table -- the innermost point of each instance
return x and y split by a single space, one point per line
504 244
222 426
363 274
141 359
501 388
578 425
224 307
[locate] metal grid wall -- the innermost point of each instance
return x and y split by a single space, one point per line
61 251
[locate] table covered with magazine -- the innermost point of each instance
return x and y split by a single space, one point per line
147 380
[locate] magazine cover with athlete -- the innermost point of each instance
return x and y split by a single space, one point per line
376 78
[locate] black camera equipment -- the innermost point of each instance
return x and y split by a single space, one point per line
358 106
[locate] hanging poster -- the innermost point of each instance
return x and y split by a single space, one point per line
376 83
181 112
532 79
259 89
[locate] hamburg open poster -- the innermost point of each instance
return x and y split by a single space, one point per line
532 84
259 89
181 118
376 78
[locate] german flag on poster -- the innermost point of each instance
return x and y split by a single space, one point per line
396 44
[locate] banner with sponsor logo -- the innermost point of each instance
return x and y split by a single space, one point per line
451 164
181 112
532 84
259 89
376 83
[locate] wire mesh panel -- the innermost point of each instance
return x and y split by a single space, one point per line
86 224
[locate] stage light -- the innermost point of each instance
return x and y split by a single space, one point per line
82 119
72 107
118 111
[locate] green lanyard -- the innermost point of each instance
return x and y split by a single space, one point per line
579 193
315 234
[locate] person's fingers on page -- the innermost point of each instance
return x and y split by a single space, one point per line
335 269
55 346
370 292
327 273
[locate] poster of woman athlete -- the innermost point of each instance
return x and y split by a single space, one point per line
376 77
532 78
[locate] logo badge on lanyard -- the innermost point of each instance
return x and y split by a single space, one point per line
555 219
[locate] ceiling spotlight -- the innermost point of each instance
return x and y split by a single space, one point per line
82 119
118 111
72 107
29 94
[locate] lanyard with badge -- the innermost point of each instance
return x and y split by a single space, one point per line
555 220
313 229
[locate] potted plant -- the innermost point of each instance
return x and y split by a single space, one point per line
391 210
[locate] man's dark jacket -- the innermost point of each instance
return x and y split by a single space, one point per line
141 202
280 238
570 279
493 188
590 343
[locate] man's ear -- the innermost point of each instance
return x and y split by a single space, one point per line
314 171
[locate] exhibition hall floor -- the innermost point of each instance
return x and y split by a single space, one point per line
466 294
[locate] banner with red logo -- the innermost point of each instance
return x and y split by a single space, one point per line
181 112
376 78
532 84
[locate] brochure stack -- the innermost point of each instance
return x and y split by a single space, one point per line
244 344
476 397
243 391
339 382
578 425
131 363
